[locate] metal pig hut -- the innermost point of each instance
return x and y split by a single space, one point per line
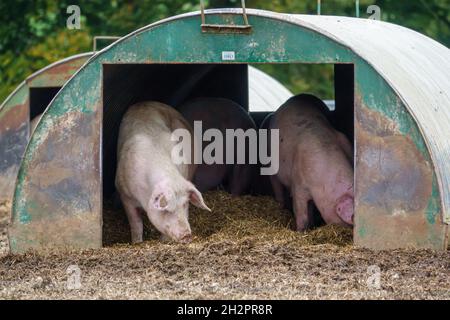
392 97
29 99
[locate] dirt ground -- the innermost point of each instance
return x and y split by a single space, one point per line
243 250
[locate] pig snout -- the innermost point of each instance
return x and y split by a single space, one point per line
344 209
180 232
182 238
186 238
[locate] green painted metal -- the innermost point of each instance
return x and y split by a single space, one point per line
378 96
59 73
14 122
19 96
271 41
15 117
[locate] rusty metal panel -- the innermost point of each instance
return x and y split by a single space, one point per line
15 117
56 74
394 188
58 204
397 198
14 132
60 210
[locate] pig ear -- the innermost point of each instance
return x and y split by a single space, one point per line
160 202
195 197
161 199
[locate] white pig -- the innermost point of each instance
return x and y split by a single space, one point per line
147 180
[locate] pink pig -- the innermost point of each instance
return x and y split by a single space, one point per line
147 179
315 163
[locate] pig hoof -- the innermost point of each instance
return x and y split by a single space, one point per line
136 240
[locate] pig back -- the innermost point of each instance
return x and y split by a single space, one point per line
145 136
153 120
218 113
306 116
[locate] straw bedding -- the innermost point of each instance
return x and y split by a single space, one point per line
245 248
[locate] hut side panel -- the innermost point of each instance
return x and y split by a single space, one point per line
59 191
15 117
14 132
397 196
56 75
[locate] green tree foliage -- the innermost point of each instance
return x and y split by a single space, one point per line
33 34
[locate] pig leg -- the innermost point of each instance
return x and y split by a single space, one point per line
302 209
134 219
277 189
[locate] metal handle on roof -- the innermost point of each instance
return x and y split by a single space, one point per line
102 38
225 28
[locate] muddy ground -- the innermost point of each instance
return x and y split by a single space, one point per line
243 250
